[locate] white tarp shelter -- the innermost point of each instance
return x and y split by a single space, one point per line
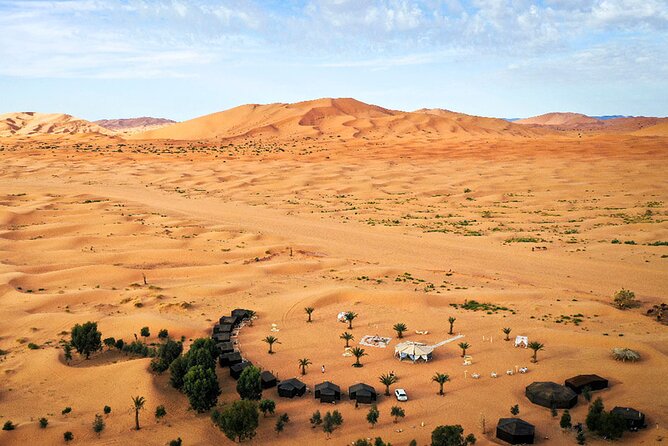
341 316
414 351
522 341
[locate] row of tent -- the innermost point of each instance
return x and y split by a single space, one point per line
328 392
228 355
550 394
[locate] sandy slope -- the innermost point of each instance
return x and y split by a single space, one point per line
334 118
559 119
32 124
280 226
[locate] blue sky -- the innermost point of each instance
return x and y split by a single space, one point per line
181 59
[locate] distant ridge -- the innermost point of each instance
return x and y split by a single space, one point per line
130 125
33 124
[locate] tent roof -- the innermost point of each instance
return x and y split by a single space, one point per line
516 426
550 393
292 383
327 386
583 380
413 348
361 387
628 413
267 376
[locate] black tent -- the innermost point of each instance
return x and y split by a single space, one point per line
232 320
362 393
229 359
221 337
241 313
515 431
551 395
224 347
634 419
268 379
578 383
236 369
222 328
291 388
327 392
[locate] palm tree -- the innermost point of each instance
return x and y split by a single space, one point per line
347 337
535 346
303 363
464 346
358 353
387 380
452 323
507 331
400 328
309 311
440 378
397 412
349 317
271 340
251 315
138 404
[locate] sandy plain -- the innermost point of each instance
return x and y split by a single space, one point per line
394 230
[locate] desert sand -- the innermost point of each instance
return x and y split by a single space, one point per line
340 206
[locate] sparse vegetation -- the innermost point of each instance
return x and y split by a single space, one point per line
86 339
440 378
271 340
400 328
625 354
625 299
387 379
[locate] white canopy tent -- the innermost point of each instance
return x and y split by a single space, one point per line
414 351
522 341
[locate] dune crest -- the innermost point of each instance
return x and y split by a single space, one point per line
33 123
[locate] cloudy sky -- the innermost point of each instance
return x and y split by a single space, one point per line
180 59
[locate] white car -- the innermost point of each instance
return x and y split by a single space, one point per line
401 395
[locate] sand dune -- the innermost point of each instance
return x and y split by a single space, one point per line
134 125
32 124
341 118
559 119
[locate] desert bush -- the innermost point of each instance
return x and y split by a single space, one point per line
8 426
68 436
625 354
43 422
624 299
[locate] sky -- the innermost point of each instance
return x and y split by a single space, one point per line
180 59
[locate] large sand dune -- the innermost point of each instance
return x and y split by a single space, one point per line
33 124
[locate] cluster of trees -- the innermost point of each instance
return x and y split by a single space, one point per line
605 424
195 374
374 414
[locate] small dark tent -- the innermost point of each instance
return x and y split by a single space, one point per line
291 388
221 337
634 419
268 379
362 393
224 347
236 369
231 320
241 313
222 328
578 383
515 431
327 392
551 395
229 359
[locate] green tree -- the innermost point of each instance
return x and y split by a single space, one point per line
535 346
464 346
98 424
565 421
357 352
580 437
271 340
372 416
163 334
119 344
109 343
309 311
67 351
176 442
451 320
138 403
440 378
201 387
387 379
68 436
316 419
593 420
515 410
177 370
160 412
145 332
238 421
167 353
554 412
281 422
451 435
86 339
624 299
8 426
350 317
507 331
400 328
347 337
303 363
586 393
249 385
43 422
267 406
612 426
397 412
337 418
106 410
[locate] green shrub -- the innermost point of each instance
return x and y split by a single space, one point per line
8 426
43 423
